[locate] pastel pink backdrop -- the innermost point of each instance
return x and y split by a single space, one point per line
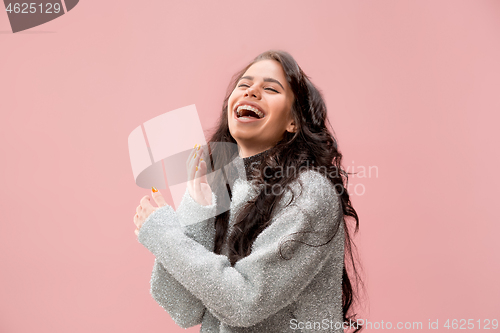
411 88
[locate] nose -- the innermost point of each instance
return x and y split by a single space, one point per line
252 92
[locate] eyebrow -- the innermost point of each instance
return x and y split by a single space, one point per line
266 79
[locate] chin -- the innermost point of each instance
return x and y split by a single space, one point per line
244 137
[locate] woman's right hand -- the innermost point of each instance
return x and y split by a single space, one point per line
197 184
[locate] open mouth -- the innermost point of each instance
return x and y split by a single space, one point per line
247 112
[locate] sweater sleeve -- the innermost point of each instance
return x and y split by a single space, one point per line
184 308
264 282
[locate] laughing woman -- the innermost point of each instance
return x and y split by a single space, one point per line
271 259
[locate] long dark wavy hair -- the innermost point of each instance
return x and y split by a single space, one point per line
310 146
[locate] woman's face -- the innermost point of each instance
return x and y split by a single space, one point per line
263 99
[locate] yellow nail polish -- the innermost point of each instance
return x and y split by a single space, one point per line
194 155
195 145
199 147
201 159
154 189
196 168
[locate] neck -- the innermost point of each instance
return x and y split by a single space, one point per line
252 162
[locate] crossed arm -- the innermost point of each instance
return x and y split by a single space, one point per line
262 283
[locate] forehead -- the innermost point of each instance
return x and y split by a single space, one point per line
267 68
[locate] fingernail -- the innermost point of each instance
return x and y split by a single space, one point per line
154 189
199 147
201 159
196 168
194 155
195 145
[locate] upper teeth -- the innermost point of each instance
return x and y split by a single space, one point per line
251 108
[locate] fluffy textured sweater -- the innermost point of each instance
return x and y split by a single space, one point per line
290 282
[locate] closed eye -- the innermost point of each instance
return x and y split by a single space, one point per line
246 85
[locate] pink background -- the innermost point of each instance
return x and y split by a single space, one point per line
412 88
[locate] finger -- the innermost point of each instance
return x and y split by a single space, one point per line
136 232
191 161
138 209
203 168
194 162
191 154
196 183
145 202
158 198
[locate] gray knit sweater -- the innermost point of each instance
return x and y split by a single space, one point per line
297 291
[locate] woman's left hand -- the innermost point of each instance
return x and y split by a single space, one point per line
145 209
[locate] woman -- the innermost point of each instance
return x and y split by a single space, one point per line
272 259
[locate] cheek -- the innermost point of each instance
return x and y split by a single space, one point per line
234 95
282 110
231 101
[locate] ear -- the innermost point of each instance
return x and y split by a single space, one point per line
291 127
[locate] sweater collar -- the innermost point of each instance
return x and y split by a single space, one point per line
245 165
